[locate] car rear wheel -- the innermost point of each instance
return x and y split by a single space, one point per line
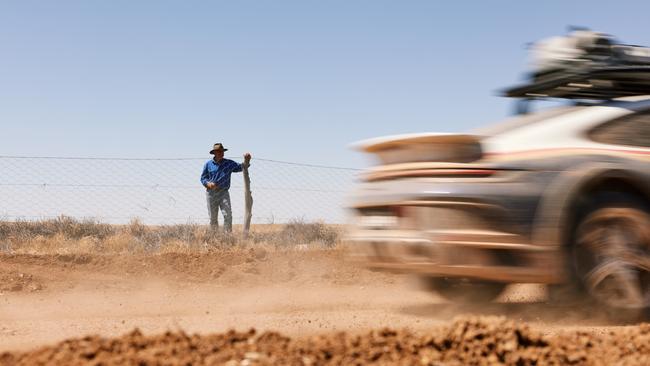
465 290
612 259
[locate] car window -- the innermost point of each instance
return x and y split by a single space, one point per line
631 130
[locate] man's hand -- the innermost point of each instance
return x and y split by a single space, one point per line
247 156
210 185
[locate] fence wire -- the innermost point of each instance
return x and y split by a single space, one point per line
165 191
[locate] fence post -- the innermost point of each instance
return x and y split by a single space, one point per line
248 200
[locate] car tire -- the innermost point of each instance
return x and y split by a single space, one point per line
464 290
611 255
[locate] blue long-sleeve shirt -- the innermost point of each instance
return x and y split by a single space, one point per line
219 173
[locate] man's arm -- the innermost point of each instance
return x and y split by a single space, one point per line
237 167
247 161
205 176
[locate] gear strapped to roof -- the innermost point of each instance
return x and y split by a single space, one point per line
586 65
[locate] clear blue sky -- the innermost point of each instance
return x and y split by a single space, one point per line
287 80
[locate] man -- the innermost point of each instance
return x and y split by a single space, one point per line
216 180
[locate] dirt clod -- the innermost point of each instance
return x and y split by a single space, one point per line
465 341
15 281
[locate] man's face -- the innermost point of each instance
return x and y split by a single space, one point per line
218 155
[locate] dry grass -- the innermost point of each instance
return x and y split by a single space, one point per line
65 235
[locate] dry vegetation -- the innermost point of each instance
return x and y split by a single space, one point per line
65 235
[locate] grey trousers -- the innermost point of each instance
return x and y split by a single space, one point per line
220 199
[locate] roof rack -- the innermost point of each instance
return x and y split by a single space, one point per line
605 82
585 65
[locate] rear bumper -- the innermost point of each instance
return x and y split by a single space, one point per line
475 228
488 255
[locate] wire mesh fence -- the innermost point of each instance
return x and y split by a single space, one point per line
165 191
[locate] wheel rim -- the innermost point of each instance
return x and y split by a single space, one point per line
613 257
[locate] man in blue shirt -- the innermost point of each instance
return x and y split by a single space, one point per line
216 180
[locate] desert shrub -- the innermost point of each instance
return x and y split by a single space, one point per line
192 236
300 232
62 225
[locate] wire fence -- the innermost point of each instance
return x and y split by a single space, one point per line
165 191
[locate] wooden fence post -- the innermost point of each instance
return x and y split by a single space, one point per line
248 200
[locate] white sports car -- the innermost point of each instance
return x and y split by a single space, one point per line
559 197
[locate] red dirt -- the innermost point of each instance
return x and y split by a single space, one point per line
466 341
16 281
328 311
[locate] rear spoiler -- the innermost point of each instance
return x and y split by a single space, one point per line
375 145
424 147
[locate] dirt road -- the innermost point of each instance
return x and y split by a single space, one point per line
300 294
296 292
46 299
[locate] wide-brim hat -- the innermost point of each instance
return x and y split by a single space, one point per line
217 146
